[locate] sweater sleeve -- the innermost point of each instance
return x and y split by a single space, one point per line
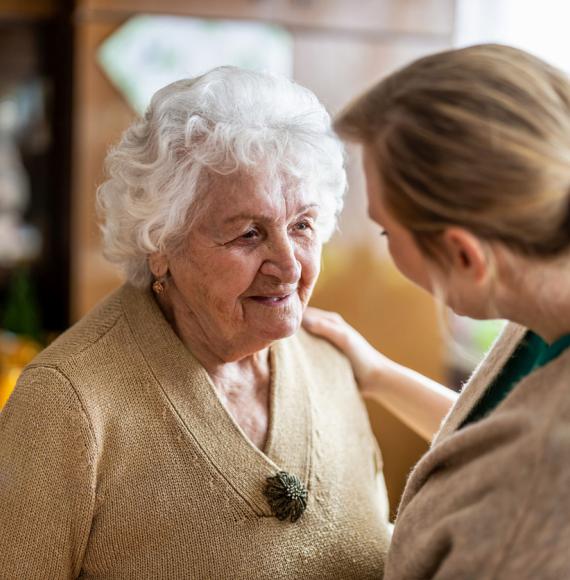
47 481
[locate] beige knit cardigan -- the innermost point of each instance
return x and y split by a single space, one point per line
117 460
492 500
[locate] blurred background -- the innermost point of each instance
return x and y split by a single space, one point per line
74 74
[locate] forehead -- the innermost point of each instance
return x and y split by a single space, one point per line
232 196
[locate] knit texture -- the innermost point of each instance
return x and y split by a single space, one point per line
492 499
118 460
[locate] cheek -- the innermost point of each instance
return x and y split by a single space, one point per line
218 278
310 260
235 274
410 262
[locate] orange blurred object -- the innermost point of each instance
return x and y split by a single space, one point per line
15 353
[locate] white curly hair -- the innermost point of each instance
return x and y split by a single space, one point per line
224 122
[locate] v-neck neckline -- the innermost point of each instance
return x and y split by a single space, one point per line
193 397
551 351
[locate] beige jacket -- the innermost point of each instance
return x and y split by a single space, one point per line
492 500
117 460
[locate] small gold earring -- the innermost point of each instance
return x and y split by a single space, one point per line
158 287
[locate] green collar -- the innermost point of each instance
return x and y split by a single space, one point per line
531 354
550 352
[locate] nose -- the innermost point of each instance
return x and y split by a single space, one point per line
281 261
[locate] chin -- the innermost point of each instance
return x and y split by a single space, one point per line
281 330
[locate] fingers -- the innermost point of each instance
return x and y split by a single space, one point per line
329 325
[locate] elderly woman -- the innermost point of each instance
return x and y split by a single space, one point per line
186 428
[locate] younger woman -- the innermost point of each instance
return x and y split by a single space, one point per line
467 159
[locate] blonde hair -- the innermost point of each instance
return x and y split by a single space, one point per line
477 137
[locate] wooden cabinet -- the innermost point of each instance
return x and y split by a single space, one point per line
100 115
28 9
35 95
393 17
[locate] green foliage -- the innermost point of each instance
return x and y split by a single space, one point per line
21 313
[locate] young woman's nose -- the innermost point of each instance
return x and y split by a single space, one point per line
281 261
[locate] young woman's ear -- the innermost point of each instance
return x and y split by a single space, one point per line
158 264
466 253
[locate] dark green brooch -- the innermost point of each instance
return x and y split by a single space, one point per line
286 495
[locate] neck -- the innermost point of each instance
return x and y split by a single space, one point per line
536 294
241 378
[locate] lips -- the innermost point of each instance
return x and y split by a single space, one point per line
272 299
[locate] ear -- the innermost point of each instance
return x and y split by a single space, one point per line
158 264
467 254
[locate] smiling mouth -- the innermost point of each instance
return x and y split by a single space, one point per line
271 300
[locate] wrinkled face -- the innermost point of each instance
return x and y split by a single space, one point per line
401 243
248 266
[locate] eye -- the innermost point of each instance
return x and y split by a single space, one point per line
383 233
251 234
303 225
249 237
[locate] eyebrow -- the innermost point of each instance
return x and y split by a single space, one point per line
263 218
